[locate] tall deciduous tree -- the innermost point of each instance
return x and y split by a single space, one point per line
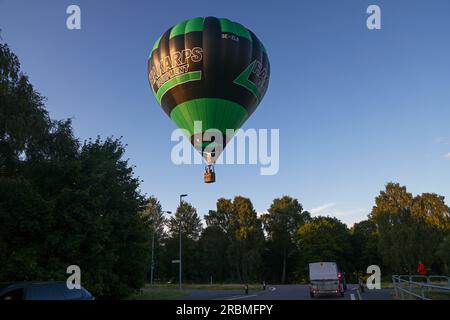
155 221
213 264
63 202
365 237
443 253
325 239
243 229
153 217
281 223
410 228
191 227
246 249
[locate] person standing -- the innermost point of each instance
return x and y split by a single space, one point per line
421 269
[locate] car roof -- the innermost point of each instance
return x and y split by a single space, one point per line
24 284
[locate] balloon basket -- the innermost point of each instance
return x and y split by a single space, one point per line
209 177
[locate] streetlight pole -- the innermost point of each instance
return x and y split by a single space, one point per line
180 253
152 266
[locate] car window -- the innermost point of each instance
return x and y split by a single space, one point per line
16 294
44 292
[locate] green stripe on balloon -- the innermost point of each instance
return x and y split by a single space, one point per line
187 26
156 45
207 110
180 79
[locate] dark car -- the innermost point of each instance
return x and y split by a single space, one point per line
50 290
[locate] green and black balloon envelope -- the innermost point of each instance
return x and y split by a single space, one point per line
210 70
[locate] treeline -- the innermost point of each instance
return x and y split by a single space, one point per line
237 245
65 202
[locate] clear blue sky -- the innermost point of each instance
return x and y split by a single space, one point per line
355 108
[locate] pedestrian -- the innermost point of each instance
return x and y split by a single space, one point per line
421 269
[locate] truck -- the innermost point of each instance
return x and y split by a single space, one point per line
325 279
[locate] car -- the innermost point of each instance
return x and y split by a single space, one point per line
325 279
49 290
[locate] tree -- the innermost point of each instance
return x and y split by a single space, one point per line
213 244
443 253
186 216
281 223
238 221
410 229
155 221
245 251
191 227
63 202
217 239
392 215
431 218
364 238
222 217
325 239
23 118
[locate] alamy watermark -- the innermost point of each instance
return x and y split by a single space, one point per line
250 146
374 20
73 21
374 280
74 280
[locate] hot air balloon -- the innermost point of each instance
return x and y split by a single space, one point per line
211 70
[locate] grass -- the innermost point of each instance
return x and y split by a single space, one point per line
434 295
157 295
214 286
439 295
387 285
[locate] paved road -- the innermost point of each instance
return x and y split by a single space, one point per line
283 292
301 292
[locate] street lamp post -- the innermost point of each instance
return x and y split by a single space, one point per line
180 256
152 266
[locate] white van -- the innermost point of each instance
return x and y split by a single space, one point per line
324 278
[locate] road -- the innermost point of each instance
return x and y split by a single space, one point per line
283 292
301 292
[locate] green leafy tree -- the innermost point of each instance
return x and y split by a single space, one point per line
325 239
281 223
245 252
191 228
213 245
23 118
155 222
63 202
238 221
443 253
364 238
186 216
431 218
410 228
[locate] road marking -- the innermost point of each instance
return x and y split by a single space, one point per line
242 297
359 294
226 298
272 288
352 296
